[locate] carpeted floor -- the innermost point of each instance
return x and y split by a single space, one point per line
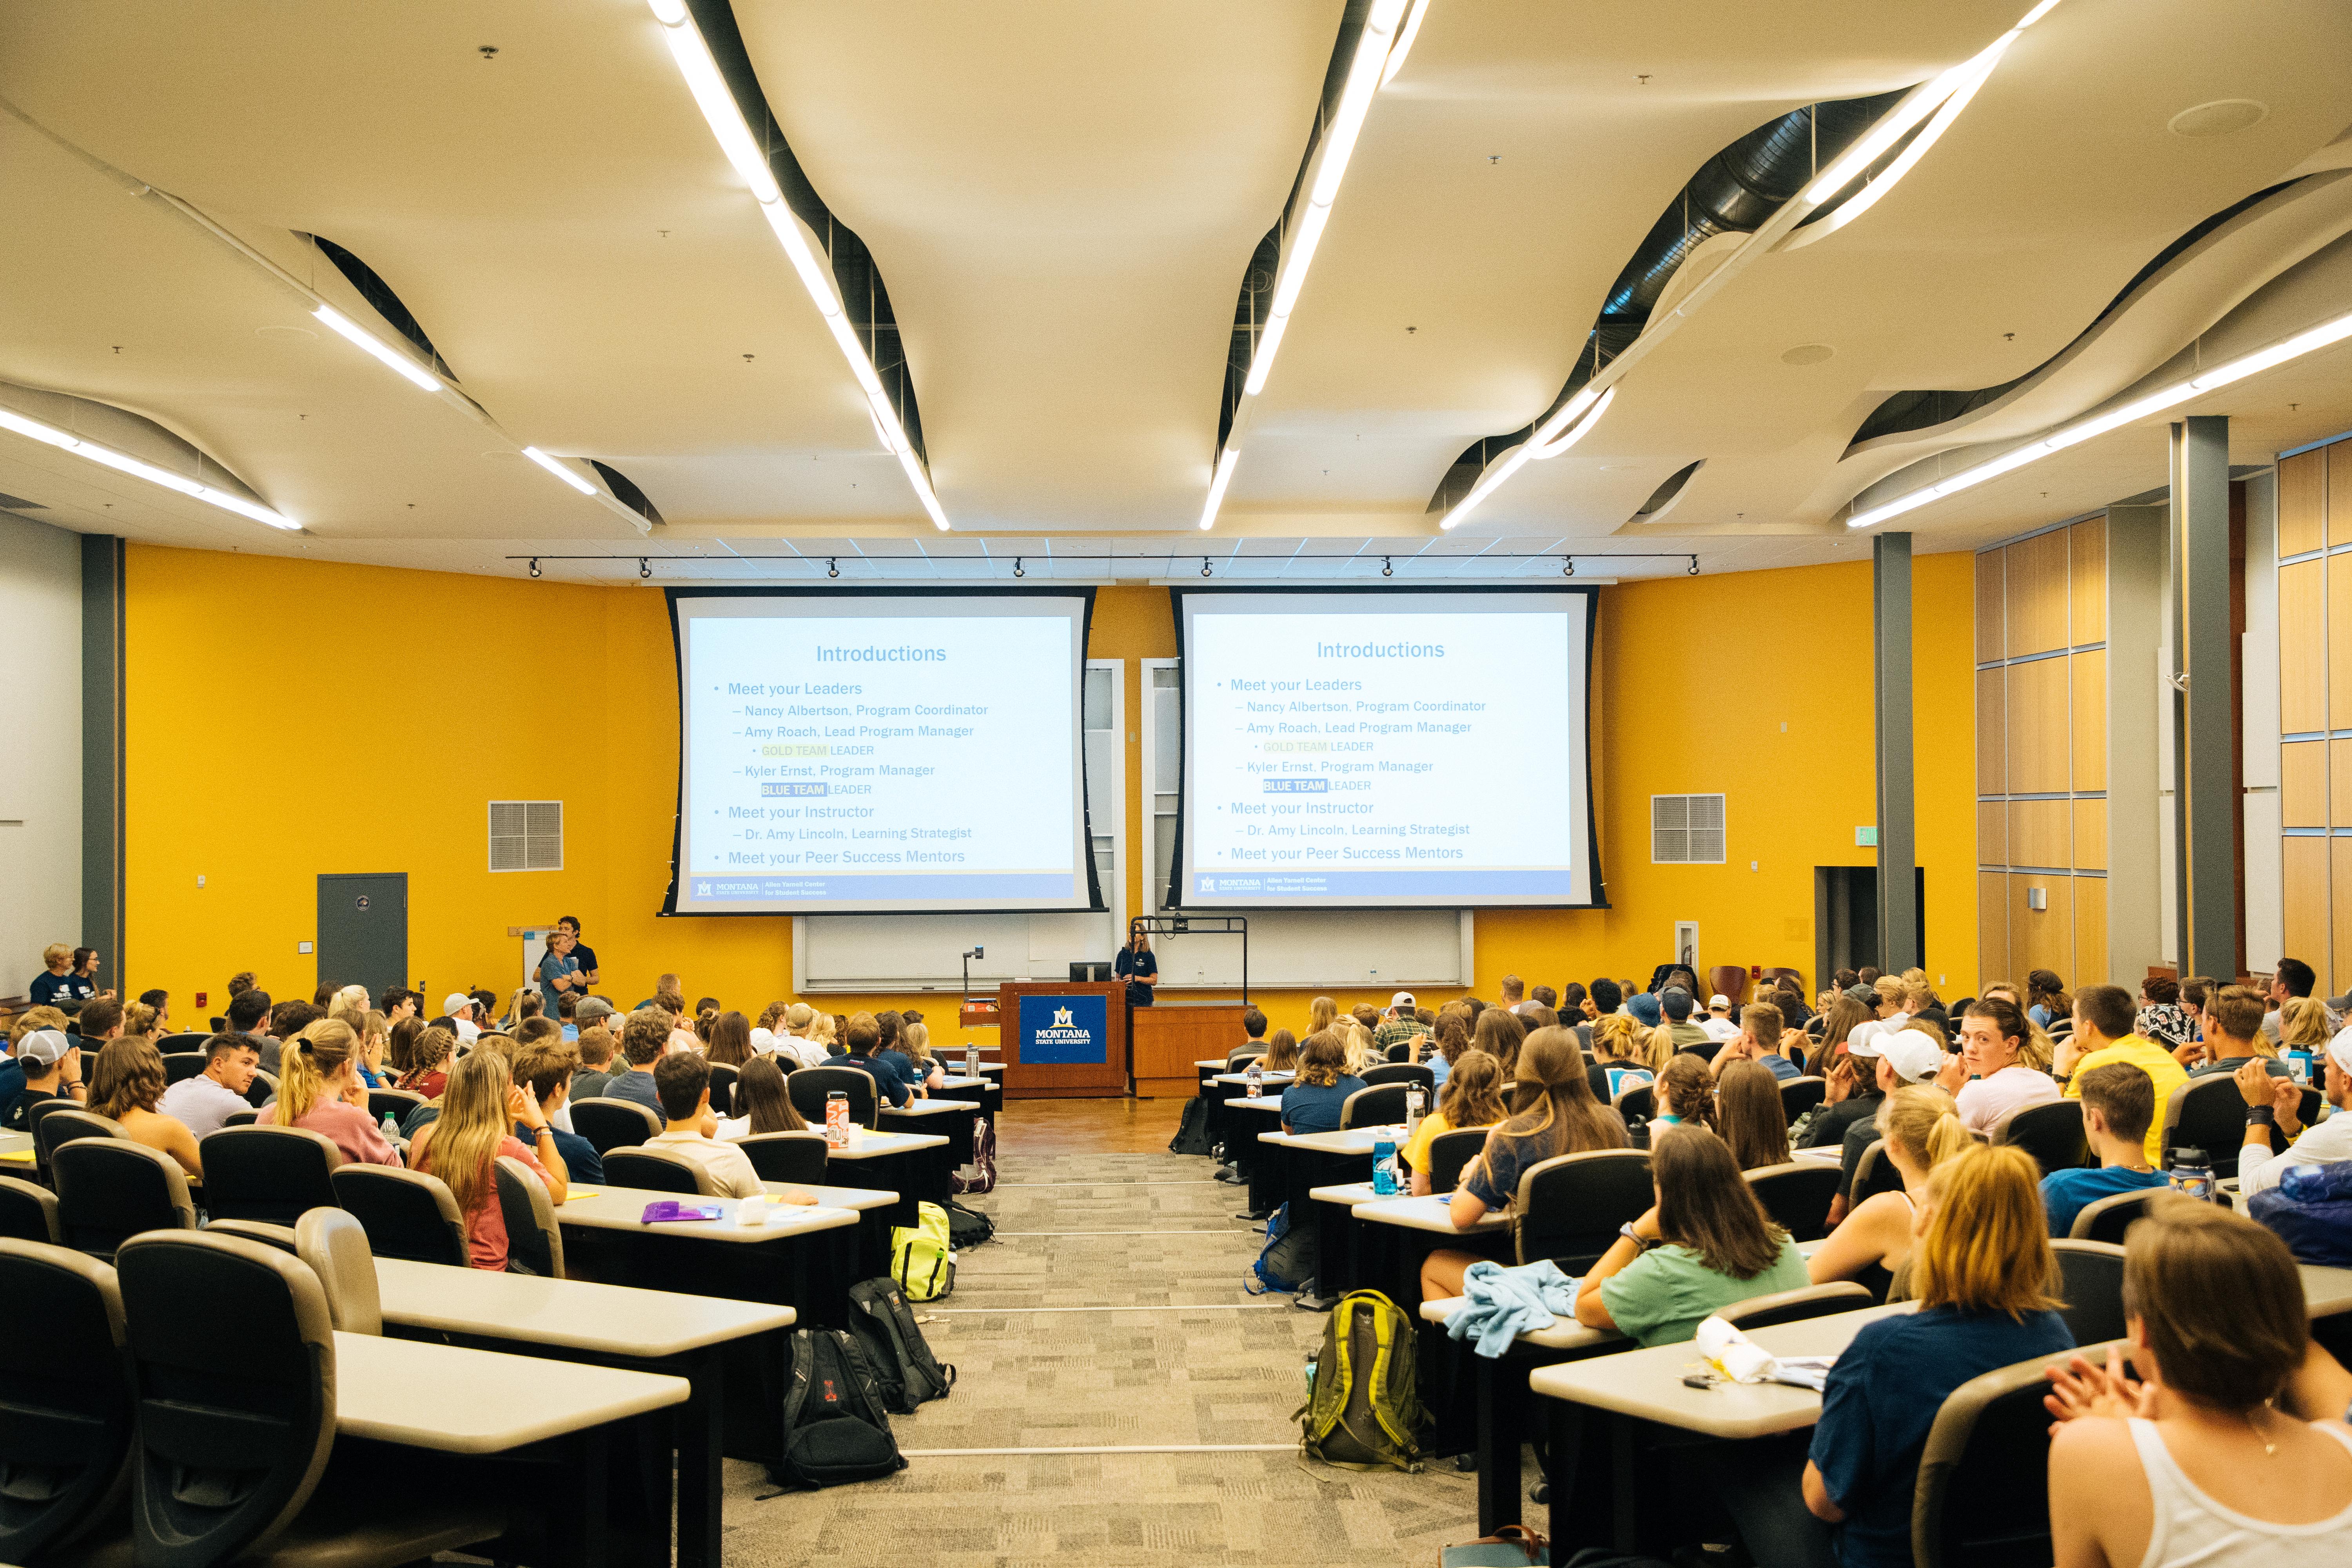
1186 1369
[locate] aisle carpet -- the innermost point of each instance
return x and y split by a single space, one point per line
1033 1380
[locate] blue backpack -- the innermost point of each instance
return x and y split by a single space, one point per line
2311 1211
1287 1260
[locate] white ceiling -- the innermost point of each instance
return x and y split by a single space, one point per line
1062 197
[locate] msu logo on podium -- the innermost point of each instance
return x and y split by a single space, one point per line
1065 1029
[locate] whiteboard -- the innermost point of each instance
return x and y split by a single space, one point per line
923 953
1323 950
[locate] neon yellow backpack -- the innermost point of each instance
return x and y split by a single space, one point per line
1364 1409
921 1261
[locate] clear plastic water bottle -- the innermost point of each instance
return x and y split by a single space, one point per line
2192 1175
1413 1100
391 1129
1256 1076
1310 1373
1384 1165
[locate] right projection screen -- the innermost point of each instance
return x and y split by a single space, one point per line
1385 749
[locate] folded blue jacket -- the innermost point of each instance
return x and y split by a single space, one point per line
1498 1304
2311 1211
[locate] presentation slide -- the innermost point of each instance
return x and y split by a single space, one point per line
1410 749
849 753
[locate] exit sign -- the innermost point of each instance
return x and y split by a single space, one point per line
1865 838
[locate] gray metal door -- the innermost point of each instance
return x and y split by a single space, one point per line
364 930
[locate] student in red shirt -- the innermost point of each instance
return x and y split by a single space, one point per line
476 1126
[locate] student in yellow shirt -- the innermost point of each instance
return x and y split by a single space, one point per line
2103 1033
1472 1097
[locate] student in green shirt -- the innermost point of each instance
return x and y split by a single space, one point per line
1706 1244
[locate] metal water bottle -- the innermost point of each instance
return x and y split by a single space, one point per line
971 1060
836 1118
1414 1098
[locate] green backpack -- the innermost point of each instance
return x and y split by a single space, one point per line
1364 1409
921 1260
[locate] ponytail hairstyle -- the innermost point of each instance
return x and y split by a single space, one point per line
1620 1037
1686 1088
1919 1120
311 1060
1499 1034
1473 1095
1360 1054
138 1021
1321 1059
472 1125
1747 1109
430 1051
1281 1052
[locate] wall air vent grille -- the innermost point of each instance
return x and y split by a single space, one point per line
1686 829
526 836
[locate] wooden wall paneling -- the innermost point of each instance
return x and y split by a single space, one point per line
2339 492
2302 501
2339 909
2086 580
1990 625
2304 643
2087 674
2302 646
2090 835
2305 883
2044 937
1992 742
2339 637
2035 572
2040 745
2339 779
1992 928
1992 832
2041 833
2090 932
2303 783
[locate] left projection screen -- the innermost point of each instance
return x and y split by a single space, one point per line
854 754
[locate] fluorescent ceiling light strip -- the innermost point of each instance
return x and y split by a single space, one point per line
122 462
751 160
1217 483
1412 30
1904 161
558 470
2325 335
1561 443
368 341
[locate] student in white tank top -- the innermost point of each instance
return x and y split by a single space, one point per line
2193 1464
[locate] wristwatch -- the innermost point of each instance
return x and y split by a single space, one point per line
1636 1237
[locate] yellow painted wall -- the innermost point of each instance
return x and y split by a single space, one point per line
288 719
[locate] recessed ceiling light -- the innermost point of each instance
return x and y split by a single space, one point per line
1808 353
2219 117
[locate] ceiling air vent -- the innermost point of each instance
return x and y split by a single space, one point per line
1686 829
528 835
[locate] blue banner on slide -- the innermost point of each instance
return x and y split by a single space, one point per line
1070 1030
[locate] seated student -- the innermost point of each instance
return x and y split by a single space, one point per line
2102 1034
1686 1092
825 1037
929 1070
1498 1032
2232 1024
916 1070
2117 1101
1313 1100
476 1126
1987 1285
728 1043
1472 1098
2192 1464
1281 1054
464 1015
52 1065
1675 1006
1621 1057
320 1090
596 1047
127 1086
1704 1244
1553 1112
764 1104
205 1103
567 1013
58 986
1759 1041
1448 1038
866 1054
248 1013
2273 1108
1253 1041
1989 1078
430 1058
1894 1057
645 1038
1748 1112
683 1078
543 1069
1401 1024
1872 1245
12 1069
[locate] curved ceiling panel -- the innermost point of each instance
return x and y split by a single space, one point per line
1062 194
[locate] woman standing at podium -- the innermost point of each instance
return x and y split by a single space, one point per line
1136 965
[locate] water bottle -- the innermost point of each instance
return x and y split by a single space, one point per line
1384 1165
1310 1373
391 1129
2191 1175
971 1060
1414 1098
836 1118
1256 1076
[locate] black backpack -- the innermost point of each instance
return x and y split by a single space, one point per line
1192 1133
967 1228
892 1343
836 1428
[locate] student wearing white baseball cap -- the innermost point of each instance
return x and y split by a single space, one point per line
1897 1057
1718 1022
2273 1112
459 1008
52 1068
1401 1024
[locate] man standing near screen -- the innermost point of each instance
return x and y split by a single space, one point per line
581 954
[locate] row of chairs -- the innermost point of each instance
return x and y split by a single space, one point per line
131 1437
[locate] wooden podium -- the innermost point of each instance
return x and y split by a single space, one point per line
1062 1039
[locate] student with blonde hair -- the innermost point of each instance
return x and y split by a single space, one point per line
318 1087
1623 1058
476 1128
1472 1097
1920 1127
1321 1012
